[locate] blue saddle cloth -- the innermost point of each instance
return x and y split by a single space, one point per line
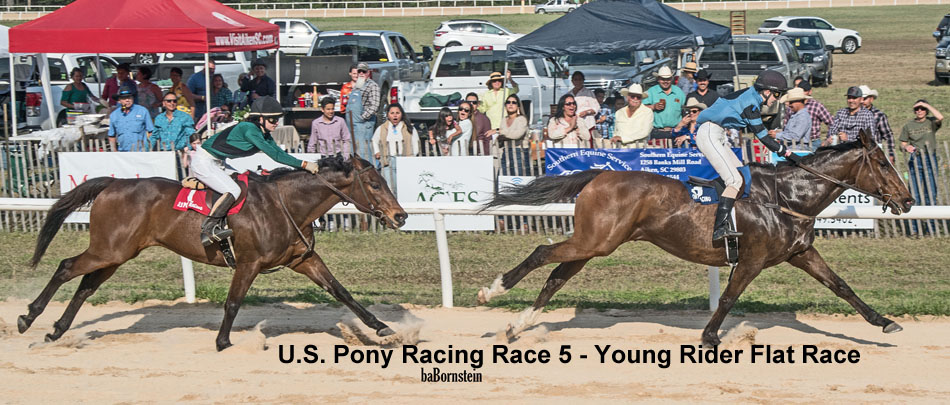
707 191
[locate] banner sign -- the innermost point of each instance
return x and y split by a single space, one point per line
451 179
848 198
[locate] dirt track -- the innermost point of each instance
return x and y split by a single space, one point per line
164 352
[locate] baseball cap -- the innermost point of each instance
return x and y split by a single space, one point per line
854 91
804 85
362 66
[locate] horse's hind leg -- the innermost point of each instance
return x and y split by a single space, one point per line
743 275
243 278
315 269
813 264
60 276
88 286
556 280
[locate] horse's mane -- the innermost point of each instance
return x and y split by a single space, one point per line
810 158
327 164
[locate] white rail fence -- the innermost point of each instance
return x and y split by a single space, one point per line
439 211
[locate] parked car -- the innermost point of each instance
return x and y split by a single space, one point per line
296 34
942 61
754 53
942 28
463 70
617 70
37 112
229 65
815 54
848 41
556 6
469 33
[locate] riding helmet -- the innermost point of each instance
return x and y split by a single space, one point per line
771 80
266 107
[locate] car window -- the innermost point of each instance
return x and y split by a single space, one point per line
790 53
490 29
394 44
406 48
760 51
299 28
807 43
479 63
57 70
457 27
282 25
821 25
796 23
367 48
721 53
771 23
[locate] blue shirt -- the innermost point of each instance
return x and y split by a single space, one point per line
130 129
196 83
174 134
739 110
673 113
798 128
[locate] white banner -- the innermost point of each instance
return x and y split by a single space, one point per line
455 179
77 167
848 198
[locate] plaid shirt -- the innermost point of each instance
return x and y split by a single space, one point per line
605 128
818 114
851 125
884 132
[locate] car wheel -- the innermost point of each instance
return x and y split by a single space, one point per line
541 11
939 81
849 45
146 58
828 79
453 43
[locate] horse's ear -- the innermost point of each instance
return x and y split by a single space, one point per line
356 161
866 140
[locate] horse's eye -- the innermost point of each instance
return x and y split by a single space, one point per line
375 186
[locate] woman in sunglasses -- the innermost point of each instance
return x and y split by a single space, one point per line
918 138
512 140
566 128
244 139
684 133
460 143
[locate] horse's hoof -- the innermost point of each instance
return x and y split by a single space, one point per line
22 324
50 337
892 327
483 296
711 340
510 333
387 331
223 345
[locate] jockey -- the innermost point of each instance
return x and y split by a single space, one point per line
739 110
243 139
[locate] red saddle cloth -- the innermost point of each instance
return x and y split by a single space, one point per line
199 200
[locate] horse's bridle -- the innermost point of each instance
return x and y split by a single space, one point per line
866 161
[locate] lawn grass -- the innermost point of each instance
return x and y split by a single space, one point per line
895 276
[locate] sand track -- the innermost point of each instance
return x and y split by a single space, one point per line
164 351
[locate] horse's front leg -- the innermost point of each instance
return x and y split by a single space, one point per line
314 268
240 283
744 274
813 264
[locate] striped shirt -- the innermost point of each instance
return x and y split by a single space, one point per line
884 131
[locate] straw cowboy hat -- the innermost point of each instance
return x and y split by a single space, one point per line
794 94
691 67
694 103
664 72
635 88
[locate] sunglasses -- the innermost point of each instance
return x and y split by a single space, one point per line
273 120
635 96
777 94
360 71
920 109
511 102
465 110
171 100
570 103
694 111
472 102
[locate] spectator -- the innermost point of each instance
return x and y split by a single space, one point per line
186 100
587 105
76 95
239 97
703 93
603 121
635 121
130 125
666 101
884 131
684 133
619 103
797 130
459 144
220 94
444 130
797 81
361 112
120 78
918 138
150 95
196 83
818 114
328 134
493 100
686 81
482 128
173 128
348 88
395 137
849 121
260 85
513 142
566 127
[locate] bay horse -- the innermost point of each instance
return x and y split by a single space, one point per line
617 207
269 231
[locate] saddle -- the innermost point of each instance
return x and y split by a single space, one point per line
197 196
707 191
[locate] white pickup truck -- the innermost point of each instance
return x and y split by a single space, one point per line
464 70
37 114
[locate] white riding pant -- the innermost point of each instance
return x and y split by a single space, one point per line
712 140
213 173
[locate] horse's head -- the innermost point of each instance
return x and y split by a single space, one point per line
370 190
878 175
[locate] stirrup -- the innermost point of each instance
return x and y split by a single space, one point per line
215 235
725 232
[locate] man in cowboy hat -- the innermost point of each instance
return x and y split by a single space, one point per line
130 125
798 129
492 101
819 114
884 131
703 93
686 82
666 101
684 133
635 121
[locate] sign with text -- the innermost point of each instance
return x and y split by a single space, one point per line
451 179
848 198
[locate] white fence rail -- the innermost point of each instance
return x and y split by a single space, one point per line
438 212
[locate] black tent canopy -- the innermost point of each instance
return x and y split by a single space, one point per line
605 26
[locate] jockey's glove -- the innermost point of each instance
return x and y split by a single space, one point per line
794 158
311 167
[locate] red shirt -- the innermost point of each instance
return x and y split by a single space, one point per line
345 95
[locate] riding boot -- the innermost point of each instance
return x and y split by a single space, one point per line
723 226
212 229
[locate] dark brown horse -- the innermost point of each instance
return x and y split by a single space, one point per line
617 207
264 236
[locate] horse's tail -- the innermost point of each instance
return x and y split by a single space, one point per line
543 190
68 203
